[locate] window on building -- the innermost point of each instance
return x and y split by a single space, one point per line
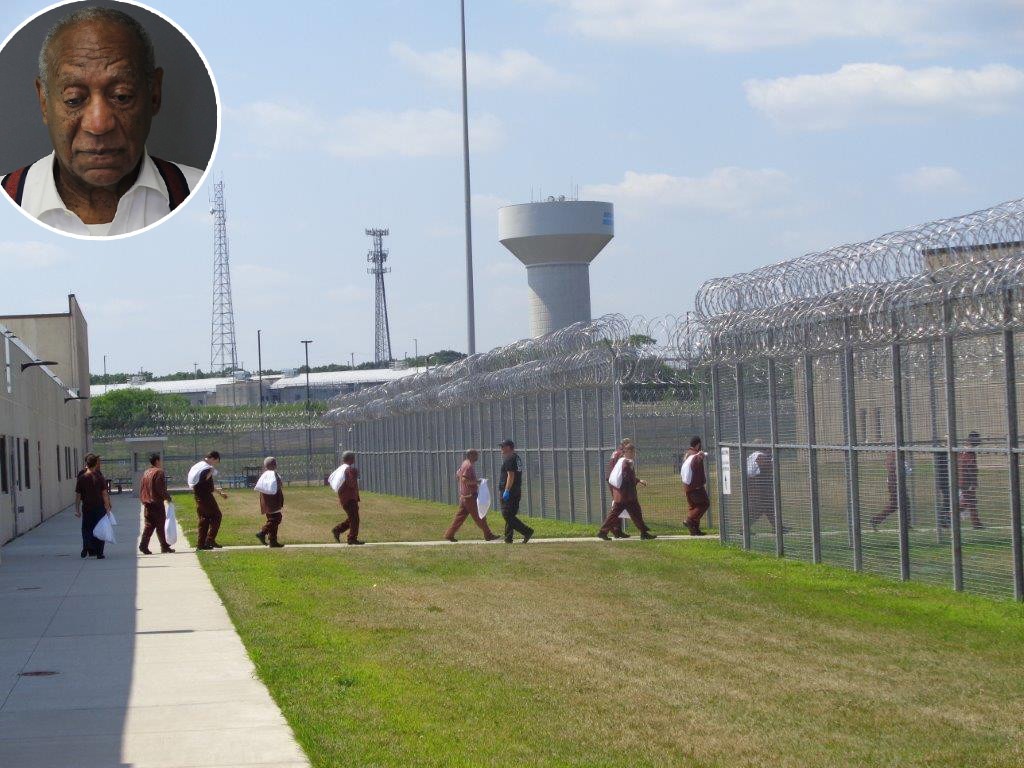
76 457
68 471
4 487
59 475
28 471
17 463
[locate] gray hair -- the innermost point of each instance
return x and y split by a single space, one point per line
270 463
97 14
348 456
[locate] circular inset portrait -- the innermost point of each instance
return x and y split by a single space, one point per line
111 118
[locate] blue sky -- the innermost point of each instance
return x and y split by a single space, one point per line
728 134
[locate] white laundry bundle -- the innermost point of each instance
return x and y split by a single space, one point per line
337 478
267 483
615 478
483 499
104 530
196 472
171 526
753 470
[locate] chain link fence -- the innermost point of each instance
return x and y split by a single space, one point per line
866 399
566 400
305 445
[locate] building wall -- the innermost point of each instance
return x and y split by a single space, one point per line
35 420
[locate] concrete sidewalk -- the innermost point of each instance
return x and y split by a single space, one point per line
140 663
470 543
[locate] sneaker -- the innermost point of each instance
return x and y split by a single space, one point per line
621 535
167 551
275 545
336 534
101 557
355 543
647 535
528 536
204 547
85 554
215 545
492 537
144 550
262 537
452 539
603 536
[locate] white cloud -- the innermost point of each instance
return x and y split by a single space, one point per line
732 25
884 93
368 133
31 255
723 190
932 178
509 68
412 133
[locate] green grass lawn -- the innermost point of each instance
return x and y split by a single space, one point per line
647 654
311 513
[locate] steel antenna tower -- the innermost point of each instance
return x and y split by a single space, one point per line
377 256
223 351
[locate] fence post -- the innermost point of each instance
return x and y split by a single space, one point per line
773 438
568 458
716 402
852 460
600 449
903 517
706 437
741 430
526 446
540 457
812 459
555 463
952 456
1012 444
584 435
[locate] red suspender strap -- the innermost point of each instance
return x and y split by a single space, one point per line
177 186
14 184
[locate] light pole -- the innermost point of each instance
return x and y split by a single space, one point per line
352 360
195 366
259 364
470 310
105 370
309 425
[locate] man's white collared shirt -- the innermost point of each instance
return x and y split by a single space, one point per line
146 202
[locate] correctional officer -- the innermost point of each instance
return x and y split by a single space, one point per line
512 482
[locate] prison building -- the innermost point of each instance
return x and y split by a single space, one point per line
44 412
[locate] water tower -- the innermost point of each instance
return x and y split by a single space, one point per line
556 240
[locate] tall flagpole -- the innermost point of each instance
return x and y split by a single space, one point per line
470 302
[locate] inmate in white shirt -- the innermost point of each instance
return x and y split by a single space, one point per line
146 202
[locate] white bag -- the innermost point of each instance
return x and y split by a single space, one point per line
753 469
171 526
337 477
615 478
104 530
267 484
483 499
113 520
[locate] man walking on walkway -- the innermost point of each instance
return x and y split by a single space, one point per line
695 486
469 485
348 497
967 466
153 495
624 482
200 480
92 502
512 480
271 492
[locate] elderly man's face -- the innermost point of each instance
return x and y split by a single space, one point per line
99 107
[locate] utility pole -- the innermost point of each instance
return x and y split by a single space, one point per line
416 354
470 301
195 367
352 360
105 370
309 420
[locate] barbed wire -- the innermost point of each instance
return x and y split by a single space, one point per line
612 350
959 276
